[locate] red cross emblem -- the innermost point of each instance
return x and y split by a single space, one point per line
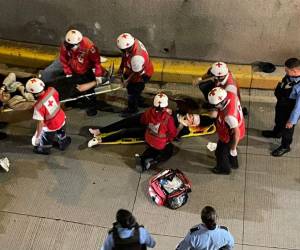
161 95
219 64
124 36
50 103
33 80
213 92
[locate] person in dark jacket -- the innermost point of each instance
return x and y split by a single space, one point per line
286 112
127 234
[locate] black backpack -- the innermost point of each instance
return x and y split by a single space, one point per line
131 243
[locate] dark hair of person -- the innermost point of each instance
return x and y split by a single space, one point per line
209 217
126 219
292 63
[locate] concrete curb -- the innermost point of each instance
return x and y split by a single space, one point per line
166 70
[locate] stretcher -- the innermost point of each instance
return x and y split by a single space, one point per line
15 115
193 132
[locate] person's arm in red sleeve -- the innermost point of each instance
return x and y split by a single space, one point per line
94 57
172 130
63 57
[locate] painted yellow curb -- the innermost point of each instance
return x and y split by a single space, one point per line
267 81
166 70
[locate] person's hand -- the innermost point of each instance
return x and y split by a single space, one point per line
35 141
125 83
68 76
289 125
233 152
169 111
99 80
196 81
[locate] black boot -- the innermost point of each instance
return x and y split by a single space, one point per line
42 151
149 163
91 112
63 144
281 151
220 172
2 135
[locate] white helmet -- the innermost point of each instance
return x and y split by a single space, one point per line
35 86
217 95
73 37
125 41
137 63
160 100
219 69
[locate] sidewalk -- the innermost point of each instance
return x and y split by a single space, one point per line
68 200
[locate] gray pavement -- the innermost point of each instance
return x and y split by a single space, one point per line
68 200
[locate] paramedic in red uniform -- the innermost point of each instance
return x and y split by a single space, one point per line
49 116
230 128
136 69
79 58
160 133
221 77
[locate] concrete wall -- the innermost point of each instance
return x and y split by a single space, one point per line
241 31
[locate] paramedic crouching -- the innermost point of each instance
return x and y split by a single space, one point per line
160 133
208 235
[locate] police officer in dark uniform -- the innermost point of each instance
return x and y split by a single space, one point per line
209 235
284 107
127 234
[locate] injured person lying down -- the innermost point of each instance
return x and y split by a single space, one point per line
13 95
132 131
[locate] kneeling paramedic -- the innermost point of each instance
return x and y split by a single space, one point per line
160 133
127 234
79 60
49 116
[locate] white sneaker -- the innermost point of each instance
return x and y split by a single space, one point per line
4 163
94 132
95 141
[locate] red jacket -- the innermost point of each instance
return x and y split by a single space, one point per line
161 128
231 112
138 49
48 106
85 57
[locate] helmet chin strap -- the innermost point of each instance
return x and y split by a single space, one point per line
224 81
223 104
75 47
